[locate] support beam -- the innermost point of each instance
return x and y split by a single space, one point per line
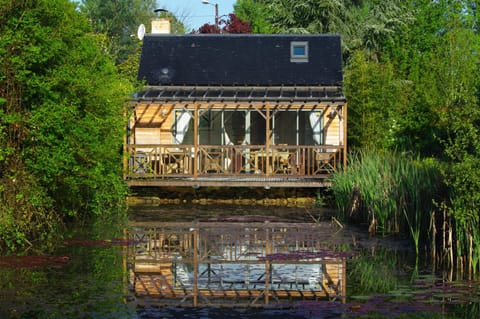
195 141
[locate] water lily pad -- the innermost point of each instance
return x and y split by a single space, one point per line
15 262
360 297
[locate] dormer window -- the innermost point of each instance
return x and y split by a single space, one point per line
299 51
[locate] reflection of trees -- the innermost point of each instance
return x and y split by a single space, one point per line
376 272
91 283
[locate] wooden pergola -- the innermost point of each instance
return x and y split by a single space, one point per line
158 109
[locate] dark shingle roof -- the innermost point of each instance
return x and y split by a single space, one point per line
239 60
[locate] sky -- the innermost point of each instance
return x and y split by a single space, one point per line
193 13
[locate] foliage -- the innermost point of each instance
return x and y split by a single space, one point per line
436 56
236 25
118 20
363 24
255 12
459 76
375 99
208 28
62 123
26 215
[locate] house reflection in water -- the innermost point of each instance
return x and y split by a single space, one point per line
234 263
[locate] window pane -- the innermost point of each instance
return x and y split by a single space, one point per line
299 50
286 128
258 128
307 133
235 127
210 128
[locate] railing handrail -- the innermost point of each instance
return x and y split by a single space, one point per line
243 161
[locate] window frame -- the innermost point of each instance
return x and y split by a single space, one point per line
298 58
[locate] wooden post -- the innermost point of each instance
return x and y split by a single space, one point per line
267 141
344 280
267 263
195 267
195 142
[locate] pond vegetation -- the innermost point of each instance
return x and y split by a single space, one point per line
397 194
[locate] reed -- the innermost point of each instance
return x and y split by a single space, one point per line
391 191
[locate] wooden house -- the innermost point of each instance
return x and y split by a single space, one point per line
237 110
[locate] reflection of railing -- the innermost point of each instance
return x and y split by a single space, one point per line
160 161
207 263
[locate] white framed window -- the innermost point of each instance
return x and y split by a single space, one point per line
299 51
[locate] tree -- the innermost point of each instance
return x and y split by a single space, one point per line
232 25
208 28
236 25
118 20
256 13
363 24
374 98
62 125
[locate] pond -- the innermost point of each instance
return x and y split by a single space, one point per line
230 262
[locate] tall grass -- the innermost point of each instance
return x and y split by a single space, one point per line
391 191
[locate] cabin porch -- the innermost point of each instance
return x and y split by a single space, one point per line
236 137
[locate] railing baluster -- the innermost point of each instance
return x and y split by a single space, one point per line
307 162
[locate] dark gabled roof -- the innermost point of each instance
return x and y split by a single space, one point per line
242 93
239 60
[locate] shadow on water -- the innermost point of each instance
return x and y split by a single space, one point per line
91 274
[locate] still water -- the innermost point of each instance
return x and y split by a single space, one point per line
97 272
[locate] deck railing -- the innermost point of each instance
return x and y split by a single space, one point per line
164 161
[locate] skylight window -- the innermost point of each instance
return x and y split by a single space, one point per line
299 51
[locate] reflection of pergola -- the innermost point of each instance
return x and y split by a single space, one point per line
219 263
237 136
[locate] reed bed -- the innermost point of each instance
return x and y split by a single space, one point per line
391 191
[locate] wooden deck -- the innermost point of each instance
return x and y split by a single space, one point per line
159 281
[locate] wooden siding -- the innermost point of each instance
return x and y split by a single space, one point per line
332 129
153 123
